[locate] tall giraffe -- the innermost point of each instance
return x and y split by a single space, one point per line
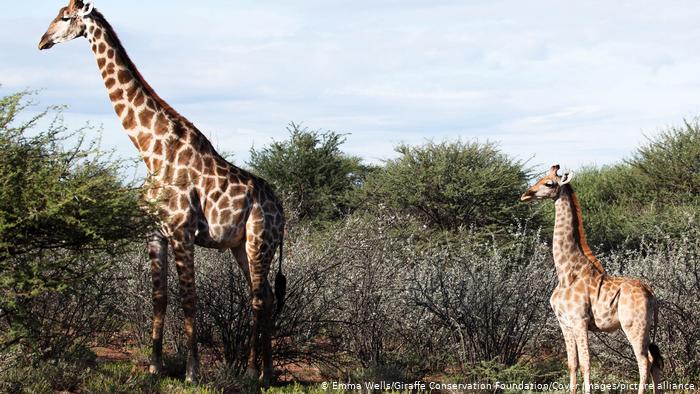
586 298
201 199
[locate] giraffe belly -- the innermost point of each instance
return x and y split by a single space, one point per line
604 319
219 237
605 325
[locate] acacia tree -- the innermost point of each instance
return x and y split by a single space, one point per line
671 162
452 185
652 195
64 217
311 172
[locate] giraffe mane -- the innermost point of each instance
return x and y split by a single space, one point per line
580 232
137 74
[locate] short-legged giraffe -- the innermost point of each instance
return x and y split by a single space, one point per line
200 197
588 299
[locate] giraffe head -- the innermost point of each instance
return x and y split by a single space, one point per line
549 186
68 25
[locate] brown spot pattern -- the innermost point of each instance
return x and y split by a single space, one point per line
124 76
145 117
129 121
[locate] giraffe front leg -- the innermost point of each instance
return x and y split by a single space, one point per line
571 356
584 357
158 253
183 249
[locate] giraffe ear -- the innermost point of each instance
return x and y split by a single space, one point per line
75 5
553 170
86 9
568 174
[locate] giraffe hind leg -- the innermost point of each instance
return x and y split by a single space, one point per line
638 336
256 302
241 256
656 366
252 368
636 319
267 326
262 302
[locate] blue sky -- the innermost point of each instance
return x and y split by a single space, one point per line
550 81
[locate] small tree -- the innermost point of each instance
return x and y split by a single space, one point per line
451 185
654 193
64 215
671 162
311 172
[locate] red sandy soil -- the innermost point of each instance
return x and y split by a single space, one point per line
124 349
300 372
106 354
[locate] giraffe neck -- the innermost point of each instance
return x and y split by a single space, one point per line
147 119
569 247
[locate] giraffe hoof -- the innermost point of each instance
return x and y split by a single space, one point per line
191 373
155 369
251 373
264 379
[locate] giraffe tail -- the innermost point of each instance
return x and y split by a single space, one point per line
657 361
280 282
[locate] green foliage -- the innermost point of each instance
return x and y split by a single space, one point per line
671 163
296 388
311 173
615 207
114 378
451 185
43 378
522 372
64 212
379 373
56 198
656 192
342 388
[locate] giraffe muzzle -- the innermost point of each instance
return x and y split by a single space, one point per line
45 42
527 196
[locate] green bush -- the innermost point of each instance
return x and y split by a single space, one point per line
614 205
671 164
453 185
671 266
620 211
43 377
521 372
656 192
64 217
314 177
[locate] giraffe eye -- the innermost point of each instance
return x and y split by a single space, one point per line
549 184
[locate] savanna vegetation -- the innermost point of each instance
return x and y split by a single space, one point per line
426 266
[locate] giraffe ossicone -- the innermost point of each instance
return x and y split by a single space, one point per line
586 297
89 6
201 199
